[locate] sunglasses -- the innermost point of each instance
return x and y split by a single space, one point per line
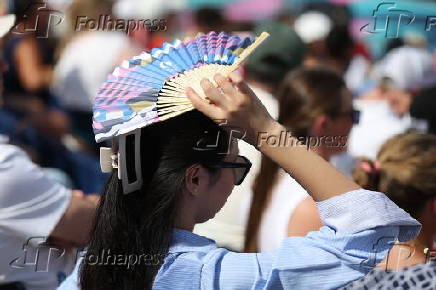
240 167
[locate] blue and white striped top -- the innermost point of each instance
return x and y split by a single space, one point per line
360 227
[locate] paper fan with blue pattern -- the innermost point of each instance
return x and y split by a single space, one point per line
151 86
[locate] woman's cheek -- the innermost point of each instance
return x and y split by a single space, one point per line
229 183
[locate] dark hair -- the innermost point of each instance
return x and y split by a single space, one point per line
141 223
303 95
210 19
424 107
340 43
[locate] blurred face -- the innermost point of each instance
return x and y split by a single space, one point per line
207 187
220 186
342 124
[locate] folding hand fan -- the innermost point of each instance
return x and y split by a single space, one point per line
151 87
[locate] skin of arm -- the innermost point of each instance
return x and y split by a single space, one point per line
73 228
234 101
304 219
32 73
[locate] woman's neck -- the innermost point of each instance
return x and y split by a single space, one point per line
185 220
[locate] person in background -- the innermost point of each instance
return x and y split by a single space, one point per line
424 107
86 58
313 27
209 19
405 171
264 70
340 48
37 216
183 186
30 72
38 219
396 77
322 117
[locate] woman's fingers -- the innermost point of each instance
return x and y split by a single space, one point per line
225 84
202 105
212 92
225 99
234 102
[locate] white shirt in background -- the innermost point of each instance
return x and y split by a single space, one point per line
286 196
377 124
30 207
83 66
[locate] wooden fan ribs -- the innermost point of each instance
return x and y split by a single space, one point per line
151 87
172 100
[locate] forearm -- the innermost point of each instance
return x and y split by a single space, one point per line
237 104
75 224
317 176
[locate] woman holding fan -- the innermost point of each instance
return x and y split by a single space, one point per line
170 175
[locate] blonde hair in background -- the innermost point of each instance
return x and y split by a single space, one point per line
405 170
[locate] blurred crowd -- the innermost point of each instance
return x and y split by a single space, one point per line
373 117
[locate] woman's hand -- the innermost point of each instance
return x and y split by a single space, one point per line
236 103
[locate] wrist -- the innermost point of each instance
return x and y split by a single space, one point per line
269 130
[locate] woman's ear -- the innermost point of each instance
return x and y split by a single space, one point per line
320 126
196 179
